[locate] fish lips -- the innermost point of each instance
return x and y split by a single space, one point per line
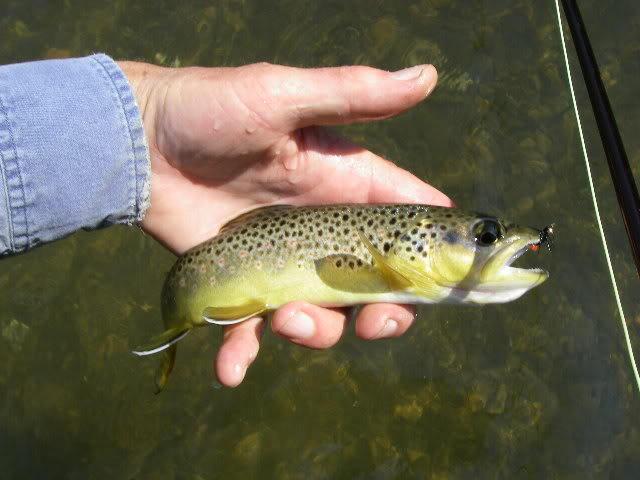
498 274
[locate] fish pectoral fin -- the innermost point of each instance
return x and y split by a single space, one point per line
349 274
162 341
233 314
395 279
400 275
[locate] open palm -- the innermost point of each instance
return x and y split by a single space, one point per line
226 140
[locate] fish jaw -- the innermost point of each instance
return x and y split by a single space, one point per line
499 282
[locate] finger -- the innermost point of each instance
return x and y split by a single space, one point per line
364 176
384 320
309 325
240 345
341 95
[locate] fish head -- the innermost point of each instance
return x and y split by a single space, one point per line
472 254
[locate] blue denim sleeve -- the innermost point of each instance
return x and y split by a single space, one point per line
72 151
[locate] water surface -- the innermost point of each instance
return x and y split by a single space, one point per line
539 388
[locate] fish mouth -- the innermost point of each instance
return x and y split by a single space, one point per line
534 246
498 272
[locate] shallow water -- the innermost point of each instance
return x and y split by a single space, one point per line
539 388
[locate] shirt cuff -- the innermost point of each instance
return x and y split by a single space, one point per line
73 154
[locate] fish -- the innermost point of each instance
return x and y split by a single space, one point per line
342 255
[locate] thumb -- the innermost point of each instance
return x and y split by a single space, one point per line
342 95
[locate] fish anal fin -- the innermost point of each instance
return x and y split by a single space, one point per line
396 280
163 341
233 314
348 273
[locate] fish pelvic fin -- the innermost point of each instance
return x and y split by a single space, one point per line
233 314
163 341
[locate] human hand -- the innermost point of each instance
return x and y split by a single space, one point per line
226 140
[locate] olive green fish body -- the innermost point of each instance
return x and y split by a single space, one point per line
338 255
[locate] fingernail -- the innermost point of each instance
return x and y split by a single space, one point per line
390 327
300 326
410 73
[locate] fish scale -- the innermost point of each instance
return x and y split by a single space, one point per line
339 255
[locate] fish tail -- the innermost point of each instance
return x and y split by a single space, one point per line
165 342
165 368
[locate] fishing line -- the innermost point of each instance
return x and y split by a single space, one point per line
595 203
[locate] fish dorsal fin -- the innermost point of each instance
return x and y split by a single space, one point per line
244 217
349 273
233 314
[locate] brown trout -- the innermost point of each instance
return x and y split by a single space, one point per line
341 255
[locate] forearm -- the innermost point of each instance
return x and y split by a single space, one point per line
72 151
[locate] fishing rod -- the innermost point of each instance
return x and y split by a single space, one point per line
619 168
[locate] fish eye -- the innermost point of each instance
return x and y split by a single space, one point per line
487 232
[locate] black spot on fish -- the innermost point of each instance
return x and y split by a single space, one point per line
339 263
386 247
370 222
451 237
443 228
392 221
352 265
434 235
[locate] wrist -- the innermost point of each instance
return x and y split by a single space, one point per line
142 78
